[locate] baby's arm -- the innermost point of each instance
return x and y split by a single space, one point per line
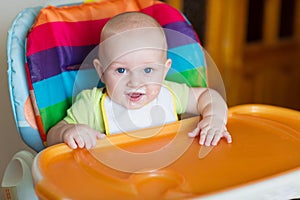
74 135
213 110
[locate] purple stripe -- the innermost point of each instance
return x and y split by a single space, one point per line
54 61
180 33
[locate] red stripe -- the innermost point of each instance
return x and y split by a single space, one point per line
54 34
28 77
41 128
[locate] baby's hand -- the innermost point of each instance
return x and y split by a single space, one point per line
79 136
211 130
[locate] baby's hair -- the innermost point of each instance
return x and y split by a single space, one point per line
141 27
129 21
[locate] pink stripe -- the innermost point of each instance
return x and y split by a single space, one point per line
84 33
164 13
54 34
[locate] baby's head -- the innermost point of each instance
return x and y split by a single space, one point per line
132 59
130 21
129 32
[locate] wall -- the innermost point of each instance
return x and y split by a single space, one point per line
10 142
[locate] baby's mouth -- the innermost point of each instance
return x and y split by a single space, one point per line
135 96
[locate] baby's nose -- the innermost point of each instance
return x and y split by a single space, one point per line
134 80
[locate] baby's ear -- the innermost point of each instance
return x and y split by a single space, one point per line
167 66
99 69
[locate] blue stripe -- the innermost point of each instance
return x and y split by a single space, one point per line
186 57
62 86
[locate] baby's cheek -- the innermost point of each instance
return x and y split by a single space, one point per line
154 91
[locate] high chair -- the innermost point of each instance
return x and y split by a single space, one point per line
49 51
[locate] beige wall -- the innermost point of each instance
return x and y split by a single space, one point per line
10 142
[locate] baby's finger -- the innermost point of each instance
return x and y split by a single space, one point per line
203 134
79 140
101 136
203 123
69 139
209 137
228 137
202 137
88 144
90 140
71 143
93 136
195 132
217 138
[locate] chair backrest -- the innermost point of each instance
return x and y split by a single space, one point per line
58 39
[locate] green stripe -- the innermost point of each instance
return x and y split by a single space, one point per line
189 77
53 114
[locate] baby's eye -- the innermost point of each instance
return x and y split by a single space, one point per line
121 70
148 70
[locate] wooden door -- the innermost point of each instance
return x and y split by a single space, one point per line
256 46
258 51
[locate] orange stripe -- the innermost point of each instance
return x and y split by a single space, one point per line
97 10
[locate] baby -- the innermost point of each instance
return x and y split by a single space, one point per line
133 63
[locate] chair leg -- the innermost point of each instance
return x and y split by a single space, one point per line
17 180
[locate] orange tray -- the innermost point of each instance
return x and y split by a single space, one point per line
163 163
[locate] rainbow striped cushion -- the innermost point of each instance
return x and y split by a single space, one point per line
62 37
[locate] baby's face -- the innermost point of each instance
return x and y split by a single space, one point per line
133 66
135 79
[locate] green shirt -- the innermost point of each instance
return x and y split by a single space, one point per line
86 108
